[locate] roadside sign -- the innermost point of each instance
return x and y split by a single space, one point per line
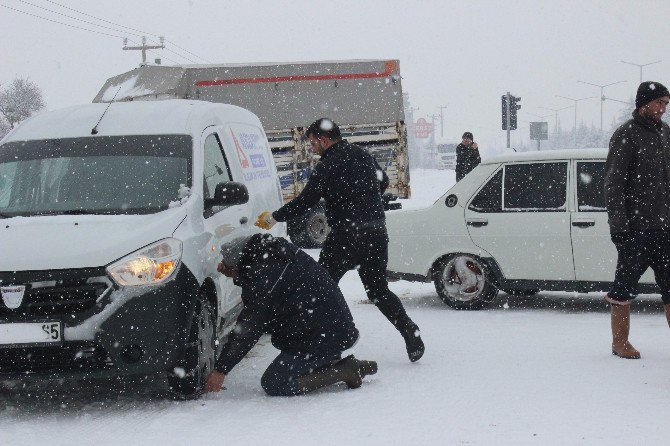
422 128
539 131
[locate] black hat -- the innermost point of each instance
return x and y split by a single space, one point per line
648 91
231 252
323 127
467 135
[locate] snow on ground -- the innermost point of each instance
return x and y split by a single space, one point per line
532 371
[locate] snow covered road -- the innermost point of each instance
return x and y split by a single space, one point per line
532 371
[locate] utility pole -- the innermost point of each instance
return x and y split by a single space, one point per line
602 97
575 101
556 110
641 66
144 47
442 107
433 147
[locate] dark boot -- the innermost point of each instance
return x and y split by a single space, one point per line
366 368
620 329
346 370
413 342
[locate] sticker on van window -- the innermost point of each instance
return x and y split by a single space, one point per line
252 153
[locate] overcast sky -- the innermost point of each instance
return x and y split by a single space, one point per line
460 54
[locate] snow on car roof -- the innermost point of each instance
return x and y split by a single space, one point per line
544 155
175 116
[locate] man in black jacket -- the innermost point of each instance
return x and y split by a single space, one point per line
467 156
637 189
287 294
351 183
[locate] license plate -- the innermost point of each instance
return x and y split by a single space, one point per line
30 333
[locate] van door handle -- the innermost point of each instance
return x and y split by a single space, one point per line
244 220
584 222
477 222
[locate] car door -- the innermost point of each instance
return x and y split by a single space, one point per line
222 223
521 218
594 253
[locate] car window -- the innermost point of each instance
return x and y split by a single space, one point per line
590 186
489 198
216 169
535 187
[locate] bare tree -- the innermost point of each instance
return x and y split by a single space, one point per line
18 101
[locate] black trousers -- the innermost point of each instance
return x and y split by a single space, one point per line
281 376
367 251
641 250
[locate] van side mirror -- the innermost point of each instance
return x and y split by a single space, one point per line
228 193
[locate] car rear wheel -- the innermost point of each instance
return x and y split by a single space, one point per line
188 378
462 282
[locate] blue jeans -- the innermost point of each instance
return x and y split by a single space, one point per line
641 250
281 376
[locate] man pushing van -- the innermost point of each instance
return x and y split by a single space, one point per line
287 294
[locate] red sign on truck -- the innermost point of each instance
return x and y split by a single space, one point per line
422 129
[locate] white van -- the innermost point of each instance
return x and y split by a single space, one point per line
111 219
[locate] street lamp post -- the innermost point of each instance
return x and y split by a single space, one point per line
556 110
602 97
641 66
442 107
575 101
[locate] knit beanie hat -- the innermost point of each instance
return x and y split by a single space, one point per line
648 91
232 251
467 135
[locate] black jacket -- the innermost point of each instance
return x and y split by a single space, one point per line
636 177
467 159
287 294
350 181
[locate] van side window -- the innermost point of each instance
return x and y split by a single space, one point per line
535 187
489 198
216 169
591 186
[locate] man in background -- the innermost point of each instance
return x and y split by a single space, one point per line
467 156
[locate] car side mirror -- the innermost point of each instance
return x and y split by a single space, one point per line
228 193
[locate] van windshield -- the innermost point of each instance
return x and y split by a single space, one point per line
94 175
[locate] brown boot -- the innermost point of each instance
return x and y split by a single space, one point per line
620 328
666 307
346 370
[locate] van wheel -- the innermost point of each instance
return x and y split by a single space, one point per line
310 230
462 282
189 376
521 293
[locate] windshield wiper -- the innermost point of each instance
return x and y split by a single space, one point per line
68 212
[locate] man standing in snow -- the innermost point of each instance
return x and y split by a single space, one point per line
287 294
637 189
351 183
467 156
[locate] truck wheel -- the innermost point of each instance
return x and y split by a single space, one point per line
310 230
189 376
462 283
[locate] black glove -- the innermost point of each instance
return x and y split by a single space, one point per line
620 238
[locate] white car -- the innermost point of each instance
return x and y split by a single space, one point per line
519 223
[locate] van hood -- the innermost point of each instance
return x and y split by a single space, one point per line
80 241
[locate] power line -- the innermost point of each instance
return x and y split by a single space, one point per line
61 23
97 24
133 29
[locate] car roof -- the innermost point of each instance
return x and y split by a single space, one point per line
546 155
173 116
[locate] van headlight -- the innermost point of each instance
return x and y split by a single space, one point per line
150 265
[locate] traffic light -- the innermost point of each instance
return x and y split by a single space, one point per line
504 111
513 107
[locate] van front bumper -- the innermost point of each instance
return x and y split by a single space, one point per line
106 330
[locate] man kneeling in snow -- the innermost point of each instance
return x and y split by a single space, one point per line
289 295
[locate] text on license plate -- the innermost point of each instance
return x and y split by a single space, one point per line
30 333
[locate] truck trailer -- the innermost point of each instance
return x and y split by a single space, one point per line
363 96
